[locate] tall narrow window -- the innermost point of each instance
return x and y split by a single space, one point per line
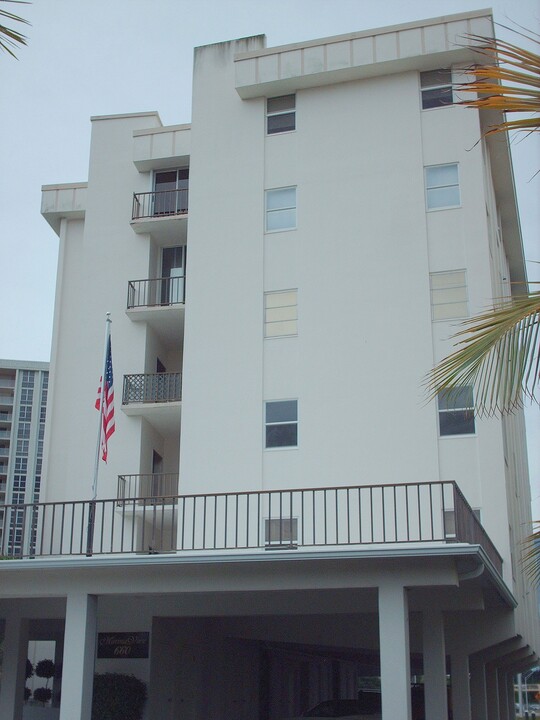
281 423
281 209
280 313
448 295
456 411
171 192
173 268
280 114
436 88
442 186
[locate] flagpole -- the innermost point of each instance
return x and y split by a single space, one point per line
108 322
92 507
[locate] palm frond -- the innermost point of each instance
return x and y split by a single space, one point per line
506 63
10 39
531 556
499 357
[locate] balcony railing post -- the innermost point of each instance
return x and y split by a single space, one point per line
284 519
160 203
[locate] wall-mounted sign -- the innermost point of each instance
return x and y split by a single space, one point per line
123 645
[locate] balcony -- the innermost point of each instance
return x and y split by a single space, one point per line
6 400
162 214
161 486
376 517
160 303
157 397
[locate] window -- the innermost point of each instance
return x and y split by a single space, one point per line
281 423
442 186
456 411
448 295
280 313
281 531
436 88
280 114
281 209
171 189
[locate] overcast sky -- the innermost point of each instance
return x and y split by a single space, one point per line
98 57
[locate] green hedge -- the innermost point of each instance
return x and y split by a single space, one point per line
118 697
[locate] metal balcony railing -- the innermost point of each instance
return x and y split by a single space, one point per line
156 292
152 388
5 416
159 203
151 485
280 519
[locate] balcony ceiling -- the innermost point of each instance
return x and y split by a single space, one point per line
166 321
167 231
164 416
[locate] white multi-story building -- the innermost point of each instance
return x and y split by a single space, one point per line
282 512
23 407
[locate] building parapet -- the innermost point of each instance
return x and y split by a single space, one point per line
67 200
342 58
161 147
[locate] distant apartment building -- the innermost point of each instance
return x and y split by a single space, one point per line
282 513
23 407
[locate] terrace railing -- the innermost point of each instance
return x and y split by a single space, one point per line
249 521
151 485
156 292
159 203
152 388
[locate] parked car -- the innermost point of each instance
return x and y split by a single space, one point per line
366 707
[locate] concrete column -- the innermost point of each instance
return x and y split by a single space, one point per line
492 692
395 657
79 654
14 667
502 692
478 689
461 692
434 665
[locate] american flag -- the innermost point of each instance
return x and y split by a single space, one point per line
107 414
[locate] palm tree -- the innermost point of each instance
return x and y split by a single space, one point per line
499 350
9 38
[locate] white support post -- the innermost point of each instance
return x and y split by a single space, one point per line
492 692
461 693
478 689
394 648
434 665
79 654
14 667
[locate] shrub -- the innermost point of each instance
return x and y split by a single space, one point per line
118 697
29 669
27 694
42 695
45 669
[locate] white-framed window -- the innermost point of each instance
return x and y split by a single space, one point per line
448 295
281 209
280 313
456 411
436 88
280 114
281 423
442 186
